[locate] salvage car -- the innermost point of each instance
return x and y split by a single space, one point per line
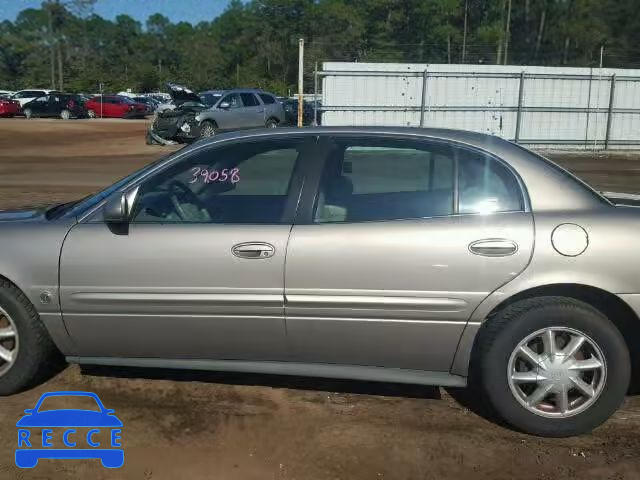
426 256
177 121
197 116
8 107
62 105
24 96
115 106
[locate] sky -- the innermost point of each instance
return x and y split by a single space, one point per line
192 11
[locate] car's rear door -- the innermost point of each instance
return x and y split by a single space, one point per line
401 243
253 110
199 271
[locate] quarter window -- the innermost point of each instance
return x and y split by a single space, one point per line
372 180
267 99
243 183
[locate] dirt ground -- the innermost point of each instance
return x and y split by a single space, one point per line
181 425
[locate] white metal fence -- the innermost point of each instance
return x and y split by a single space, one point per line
542 107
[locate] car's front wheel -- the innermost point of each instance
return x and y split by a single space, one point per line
28 113
26 350
553 366
65 114
91 114
208 129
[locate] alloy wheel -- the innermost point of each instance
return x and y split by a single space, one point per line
557 372
207 130
8 342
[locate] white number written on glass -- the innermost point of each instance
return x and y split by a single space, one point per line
208 176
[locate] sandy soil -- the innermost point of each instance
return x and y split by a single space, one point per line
182 425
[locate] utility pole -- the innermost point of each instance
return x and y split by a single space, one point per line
464 32
507 34
300 82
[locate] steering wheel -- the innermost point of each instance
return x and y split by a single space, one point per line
178 190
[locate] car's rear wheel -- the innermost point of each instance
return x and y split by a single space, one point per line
65 114
91 114
553 366
28 113
208 129
271 123
26 350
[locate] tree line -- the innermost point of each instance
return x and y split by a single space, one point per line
64 45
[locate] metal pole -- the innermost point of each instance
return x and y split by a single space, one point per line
612 90
315 96
300 83
423 100
519 111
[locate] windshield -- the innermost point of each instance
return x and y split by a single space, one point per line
210 99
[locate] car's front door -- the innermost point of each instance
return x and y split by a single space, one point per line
199 270
233 115
403 240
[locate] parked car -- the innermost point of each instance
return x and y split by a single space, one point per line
229 110
8 107
24 96
63 105
424 256
115 106
290 106
150 103
5 93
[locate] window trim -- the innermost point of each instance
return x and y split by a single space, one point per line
312 183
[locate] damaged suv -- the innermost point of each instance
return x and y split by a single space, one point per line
197 116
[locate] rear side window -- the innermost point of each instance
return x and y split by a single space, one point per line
387 179
267 99
249 100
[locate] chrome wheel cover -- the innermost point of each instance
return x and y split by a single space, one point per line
557 372
8 342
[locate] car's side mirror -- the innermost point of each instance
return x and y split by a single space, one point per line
225 105
117 209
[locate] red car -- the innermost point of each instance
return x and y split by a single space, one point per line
115 106
9 108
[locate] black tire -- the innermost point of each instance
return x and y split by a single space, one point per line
501 335
91 114
271 123
65 114
36 355
28 113
208 129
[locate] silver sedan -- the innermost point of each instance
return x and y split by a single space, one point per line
422 256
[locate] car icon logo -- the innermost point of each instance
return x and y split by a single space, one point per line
67 428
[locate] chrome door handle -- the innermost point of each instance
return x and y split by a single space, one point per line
493 247
253 250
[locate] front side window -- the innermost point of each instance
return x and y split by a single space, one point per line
249 100
233 99
243 183
388 179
